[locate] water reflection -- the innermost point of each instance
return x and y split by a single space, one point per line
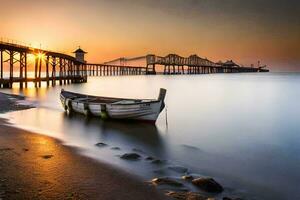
144 135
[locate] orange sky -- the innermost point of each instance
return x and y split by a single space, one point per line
246 31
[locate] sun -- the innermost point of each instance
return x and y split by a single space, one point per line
40 55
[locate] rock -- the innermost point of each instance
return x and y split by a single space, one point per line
131 156
186 195
178 169
115 148
208 185
149 158
187 177
157 161
101 144
47 156
166 181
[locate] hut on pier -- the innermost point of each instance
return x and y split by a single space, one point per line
230 63
79 55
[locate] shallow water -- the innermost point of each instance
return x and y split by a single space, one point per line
241 129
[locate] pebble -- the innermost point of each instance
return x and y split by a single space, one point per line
115 148
131 156
166 181
47 156
149 158
157 161
187 177
101 144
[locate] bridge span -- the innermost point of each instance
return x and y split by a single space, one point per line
175 64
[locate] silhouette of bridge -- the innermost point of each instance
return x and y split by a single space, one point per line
52 67
175 64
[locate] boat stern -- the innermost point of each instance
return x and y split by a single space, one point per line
161 97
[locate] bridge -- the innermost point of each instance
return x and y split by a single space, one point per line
175 64
52 67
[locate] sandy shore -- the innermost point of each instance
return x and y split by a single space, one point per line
34 166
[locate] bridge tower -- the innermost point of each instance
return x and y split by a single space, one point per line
79 55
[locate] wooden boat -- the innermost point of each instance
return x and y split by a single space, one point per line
114 108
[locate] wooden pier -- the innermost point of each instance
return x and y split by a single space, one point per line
50 67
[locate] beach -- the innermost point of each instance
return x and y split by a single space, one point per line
34 166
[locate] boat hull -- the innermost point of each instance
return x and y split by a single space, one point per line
142 111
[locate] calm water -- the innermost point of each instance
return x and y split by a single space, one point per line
242 129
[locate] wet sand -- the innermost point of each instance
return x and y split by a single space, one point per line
34 166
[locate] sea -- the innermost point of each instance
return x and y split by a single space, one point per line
241 129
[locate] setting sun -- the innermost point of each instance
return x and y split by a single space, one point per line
40 55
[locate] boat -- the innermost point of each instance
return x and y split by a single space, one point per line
146 110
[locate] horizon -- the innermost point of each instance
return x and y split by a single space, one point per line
246 32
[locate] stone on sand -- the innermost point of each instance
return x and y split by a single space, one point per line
149 158
157 161
101 144
166 181
187 177
131 156
116 148
208 185
47 156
